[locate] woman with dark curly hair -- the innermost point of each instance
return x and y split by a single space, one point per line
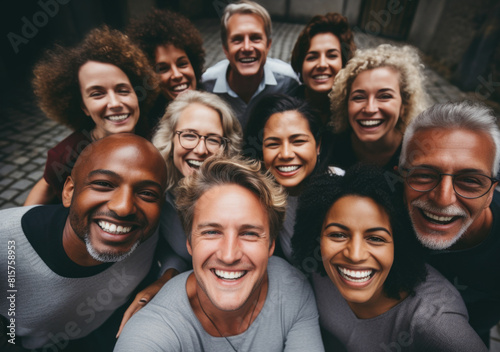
323 48
285 134
377 293
174 48
95 90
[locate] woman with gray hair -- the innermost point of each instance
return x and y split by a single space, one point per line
372 100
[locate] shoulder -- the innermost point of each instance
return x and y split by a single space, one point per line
216 71
280 67
11 218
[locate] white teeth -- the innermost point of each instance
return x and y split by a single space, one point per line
113 229
248 59
196 163
118 117
370 123
321 77
355 275
438 218
180 87
229 275
287 168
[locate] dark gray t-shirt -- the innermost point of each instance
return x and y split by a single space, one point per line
288 320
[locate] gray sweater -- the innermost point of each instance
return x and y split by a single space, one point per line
49 307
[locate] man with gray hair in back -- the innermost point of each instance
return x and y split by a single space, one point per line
238 297
248 73
449 160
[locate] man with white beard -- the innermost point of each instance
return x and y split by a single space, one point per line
449 161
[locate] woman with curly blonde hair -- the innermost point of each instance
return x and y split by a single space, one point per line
372 100
100 87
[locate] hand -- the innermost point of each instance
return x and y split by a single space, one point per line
146 295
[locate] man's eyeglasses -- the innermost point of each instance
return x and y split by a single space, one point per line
466 185
190 140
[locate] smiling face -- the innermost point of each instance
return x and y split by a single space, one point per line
108 98
374 106
247 45
322 62
114 196
230 245
175 69
289 148
202 120
440 217
357 249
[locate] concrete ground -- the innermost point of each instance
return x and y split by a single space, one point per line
26 134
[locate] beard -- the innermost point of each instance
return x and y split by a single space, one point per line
434 239
108 257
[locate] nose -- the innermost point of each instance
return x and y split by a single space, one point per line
286 151
444 194
114 101
122 202
201 148
371 105
247 44
229 249
355 249
322 61
176 74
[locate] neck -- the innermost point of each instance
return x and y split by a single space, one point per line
244 86
368 310
321 102
75 247
477 232
378 152
221 323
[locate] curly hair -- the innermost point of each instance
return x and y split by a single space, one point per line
272 104
56 83
164 27
404 60
408 268
163 138
333 23
219 171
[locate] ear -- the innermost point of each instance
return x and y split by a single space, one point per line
318 147
85 111
271 248
68 190
188 245
269 42
490 196
226 52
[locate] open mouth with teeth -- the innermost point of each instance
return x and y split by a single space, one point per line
229 275
113 229
370 123
321 77
180 88
438 219
247 60
355 276
118 118
288 169
195 164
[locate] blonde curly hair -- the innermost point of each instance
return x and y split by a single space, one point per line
404 60
163 138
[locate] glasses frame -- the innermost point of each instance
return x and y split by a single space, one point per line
225 140
441 174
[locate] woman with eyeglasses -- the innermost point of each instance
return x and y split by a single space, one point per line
195 126
373 290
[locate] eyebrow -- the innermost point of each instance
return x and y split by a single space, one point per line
292 136
461 171
383 90
372 229
219 226
316 51
105 172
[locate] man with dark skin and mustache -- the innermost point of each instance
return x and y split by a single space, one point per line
74 265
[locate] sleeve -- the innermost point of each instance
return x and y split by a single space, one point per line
304 334
148 331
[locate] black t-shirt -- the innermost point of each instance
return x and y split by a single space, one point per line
43 227
475 272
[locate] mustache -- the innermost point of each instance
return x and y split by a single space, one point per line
113 215
451 210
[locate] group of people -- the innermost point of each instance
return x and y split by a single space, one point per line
254 206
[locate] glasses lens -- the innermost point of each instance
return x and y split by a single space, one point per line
422 179
213 143
189 140
472 185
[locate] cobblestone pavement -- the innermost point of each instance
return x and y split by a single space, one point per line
26 134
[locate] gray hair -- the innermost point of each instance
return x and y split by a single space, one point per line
469 115
244 7
218 171
163 138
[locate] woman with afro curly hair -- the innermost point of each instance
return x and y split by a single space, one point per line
174 48
102 86
372 100
373 290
